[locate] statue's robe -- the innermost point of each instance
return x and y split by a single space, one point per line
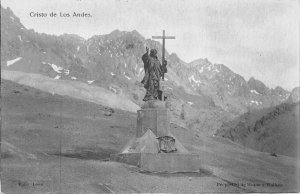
153 72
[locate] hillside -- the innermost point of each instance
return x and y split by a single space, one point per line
273 130
77 90
53 143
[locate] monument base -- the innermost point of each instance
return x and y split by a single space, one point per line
160 162
153 139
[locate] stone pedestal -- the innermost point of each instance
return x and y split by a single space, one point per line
152 122
155 119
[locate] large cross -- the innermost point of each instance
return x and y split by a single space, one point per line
163 37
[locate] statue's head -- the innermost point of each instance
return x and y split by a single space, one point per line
153 52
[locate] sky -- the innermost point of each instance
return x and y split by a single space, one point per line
254 38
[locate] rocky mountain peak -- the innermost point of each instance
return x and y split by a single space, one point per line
280 91
9 19
200 62
295 95
257 85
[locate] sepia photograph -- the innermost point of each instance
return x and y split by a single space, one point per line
150 96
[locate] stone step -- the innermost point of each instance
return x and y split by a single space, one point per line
161 162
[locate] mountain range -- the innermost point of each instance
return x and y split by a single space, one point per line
202 96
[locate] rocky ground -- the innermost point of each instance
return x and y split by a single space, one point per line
57 144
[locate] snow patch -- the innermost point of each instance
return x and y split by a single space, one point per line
11 62
166 79
56 68
78 48
57 77
192 78
20 38
129 78
254 91
67 71
190 103
112 73
90 81
256 102
216 70
140 71
201 70
74 78
125 65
